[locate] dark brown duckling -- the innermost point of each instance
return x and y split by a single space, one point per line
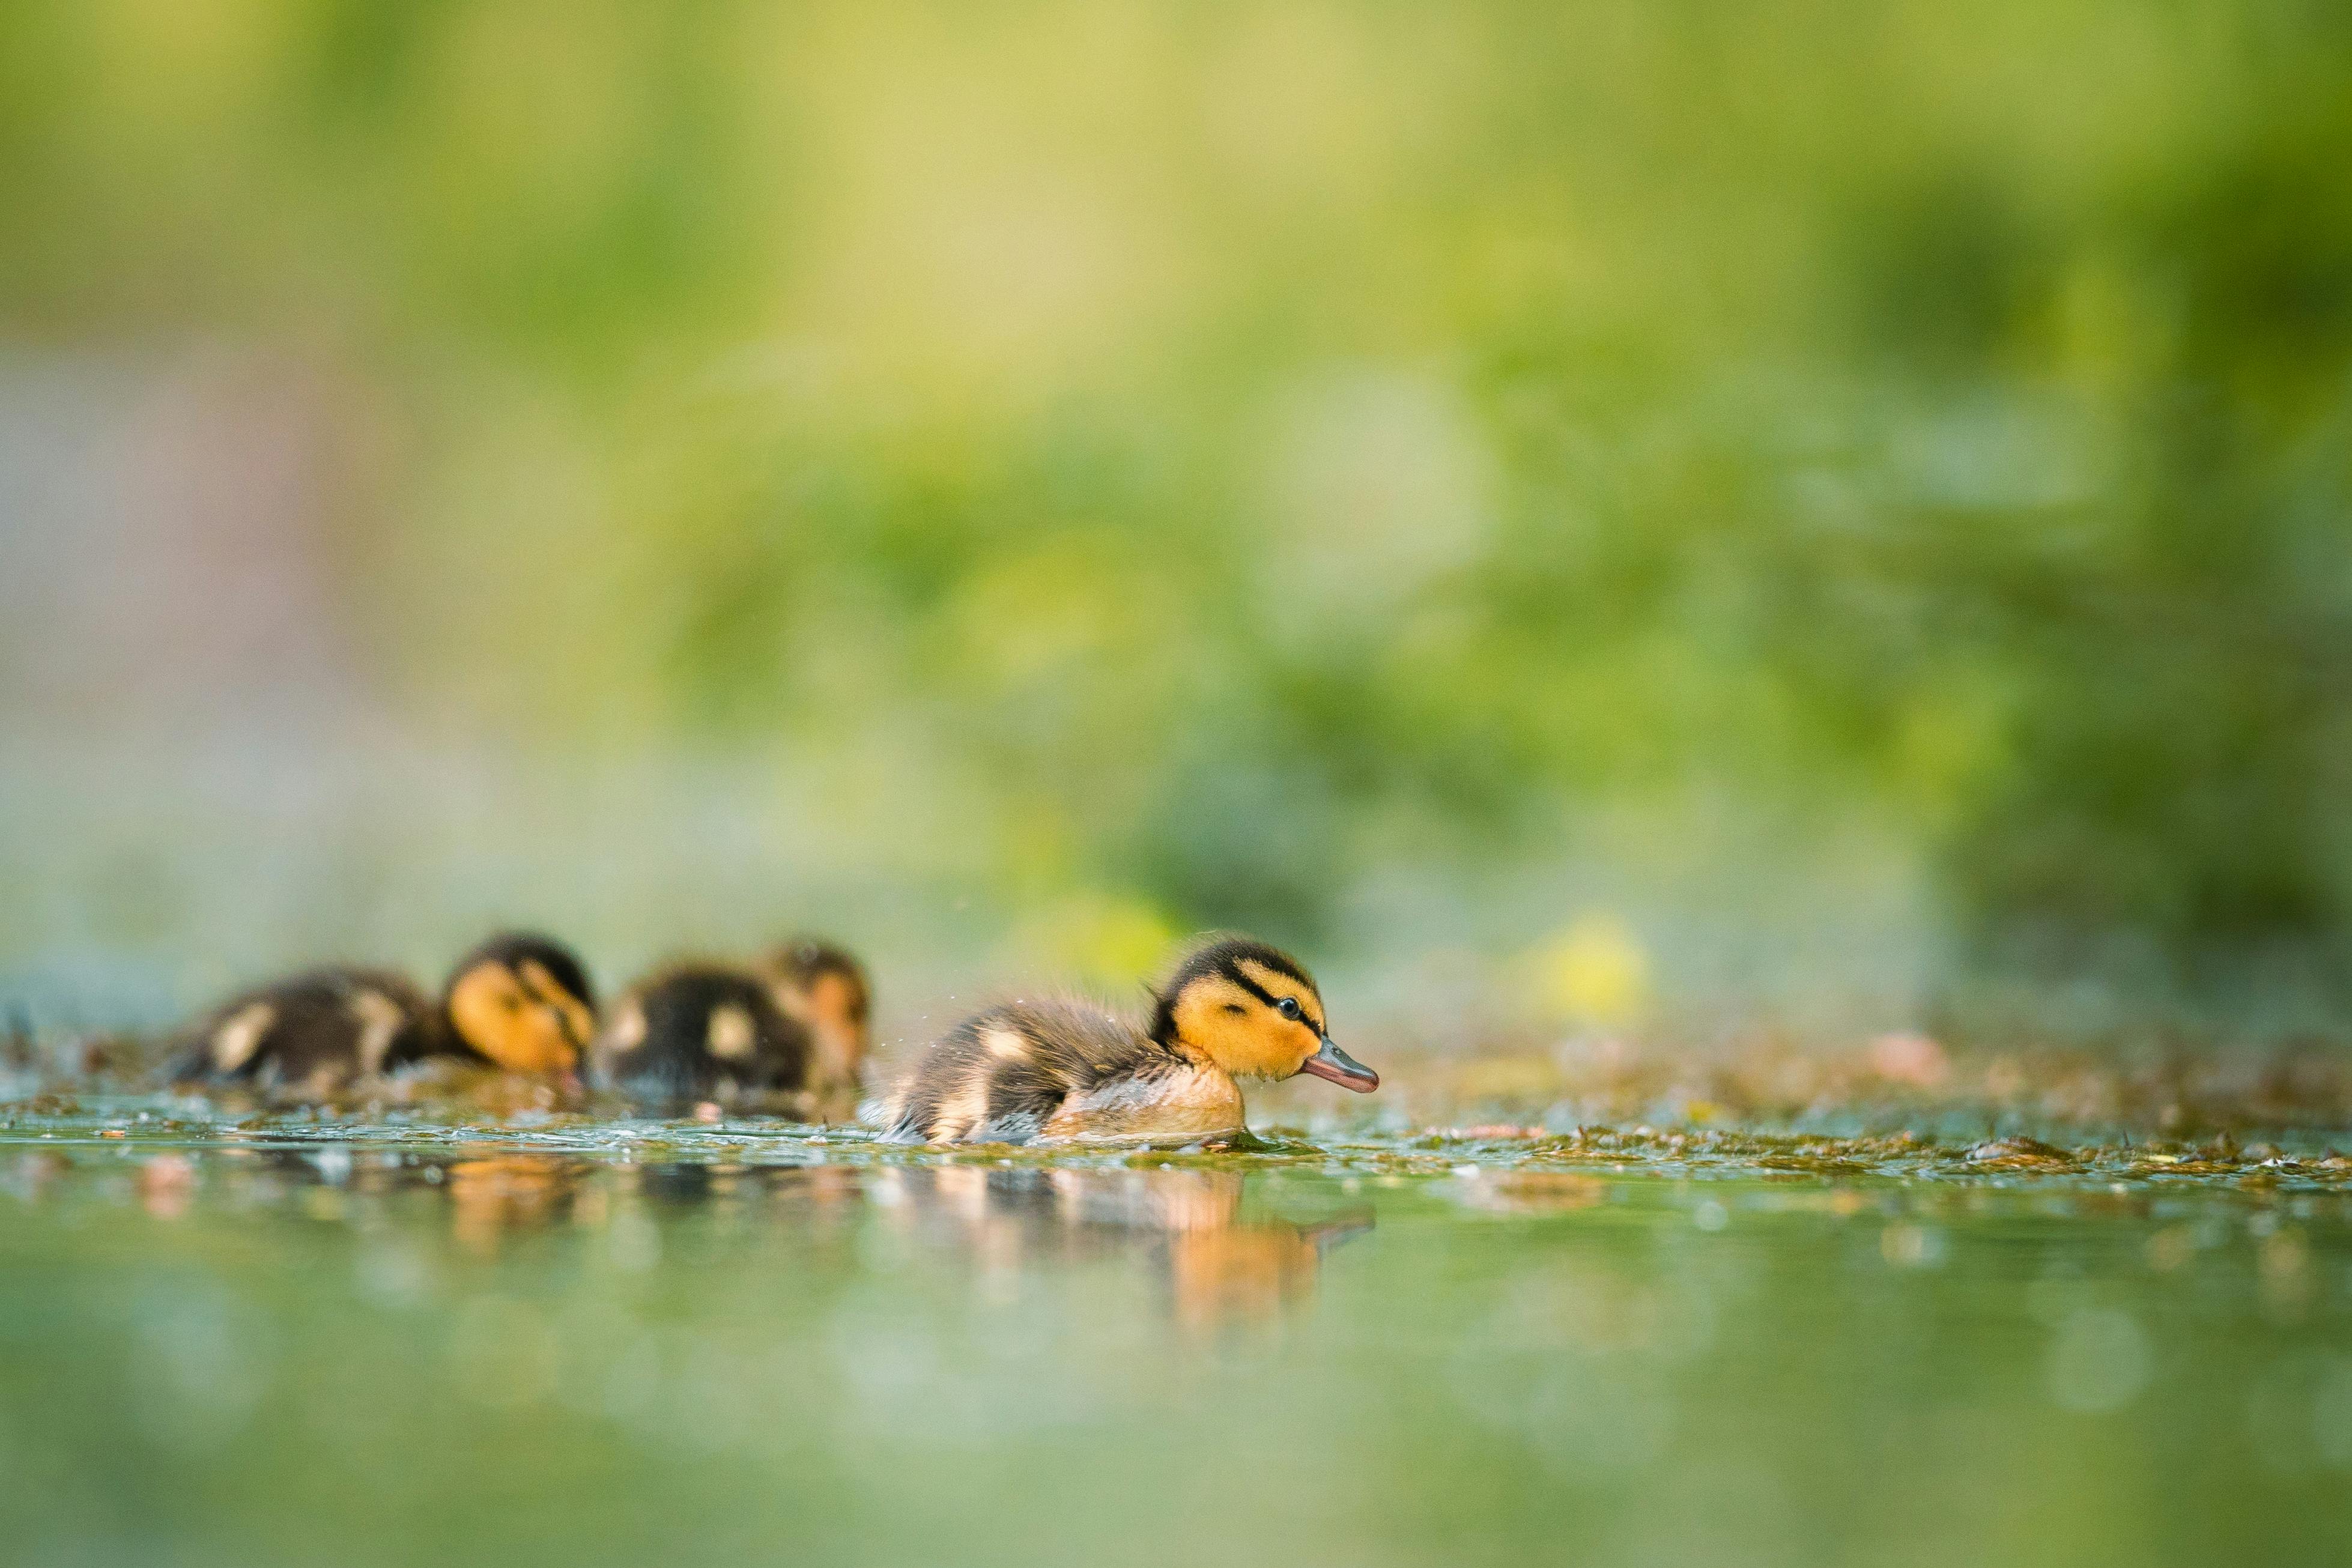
1067 1072
792 1025
700 1031
518 1001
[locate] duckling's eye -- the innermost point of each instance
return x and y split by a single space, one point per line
1287 1008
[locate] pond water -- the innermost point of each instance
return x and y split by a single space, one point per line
292 1340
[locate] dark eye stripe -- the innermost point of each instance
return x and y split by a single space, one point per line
1236 974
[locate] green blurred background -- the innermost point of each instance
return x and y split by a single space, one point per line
1815 517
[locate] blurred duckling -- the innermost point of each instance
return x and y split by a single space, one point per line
1066 1072
826 990
792 1025
519 1002
697 1030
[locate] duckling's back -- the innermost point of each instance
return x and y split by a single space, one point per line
697 1029
311 1034
1000 1076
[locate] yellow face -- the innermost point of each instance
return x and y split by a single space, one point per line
834 1007
521 1018
1248 1035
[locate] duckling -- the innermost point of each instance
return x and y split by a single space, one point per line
518 1001
792 1024
1066 1072
696 1030
826 990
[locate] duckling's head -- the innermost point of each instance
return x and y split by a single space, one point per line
822 986
1252 1011
524 1002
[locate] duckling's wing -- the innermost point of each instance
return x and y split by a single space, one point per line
1000 1077
226 1043
315 1030
945 1095
399 1024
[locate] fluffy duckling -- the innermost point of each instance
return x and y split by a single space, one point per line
1066 1072
695 1030
793 1024
519 1002
826 990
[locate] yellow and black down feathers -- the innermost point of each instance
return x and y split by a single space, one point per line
697 1030
314 1033
1002 1076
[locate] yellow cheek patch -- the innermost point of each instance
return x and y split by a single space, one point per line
833 1006
1238 1033
838 999
550 1049
496 1014
483 1005
578 1024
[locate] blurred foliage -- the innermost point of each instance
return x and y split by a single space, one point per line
1211 452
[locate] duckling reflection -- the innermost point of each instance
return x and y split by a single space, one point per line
498 1194
811 1202
1220 1260
271 1174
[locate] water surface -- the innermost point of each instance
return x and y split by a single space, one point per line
293 1340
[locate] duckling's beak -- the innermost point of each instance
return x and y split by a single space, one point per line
1342 1069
